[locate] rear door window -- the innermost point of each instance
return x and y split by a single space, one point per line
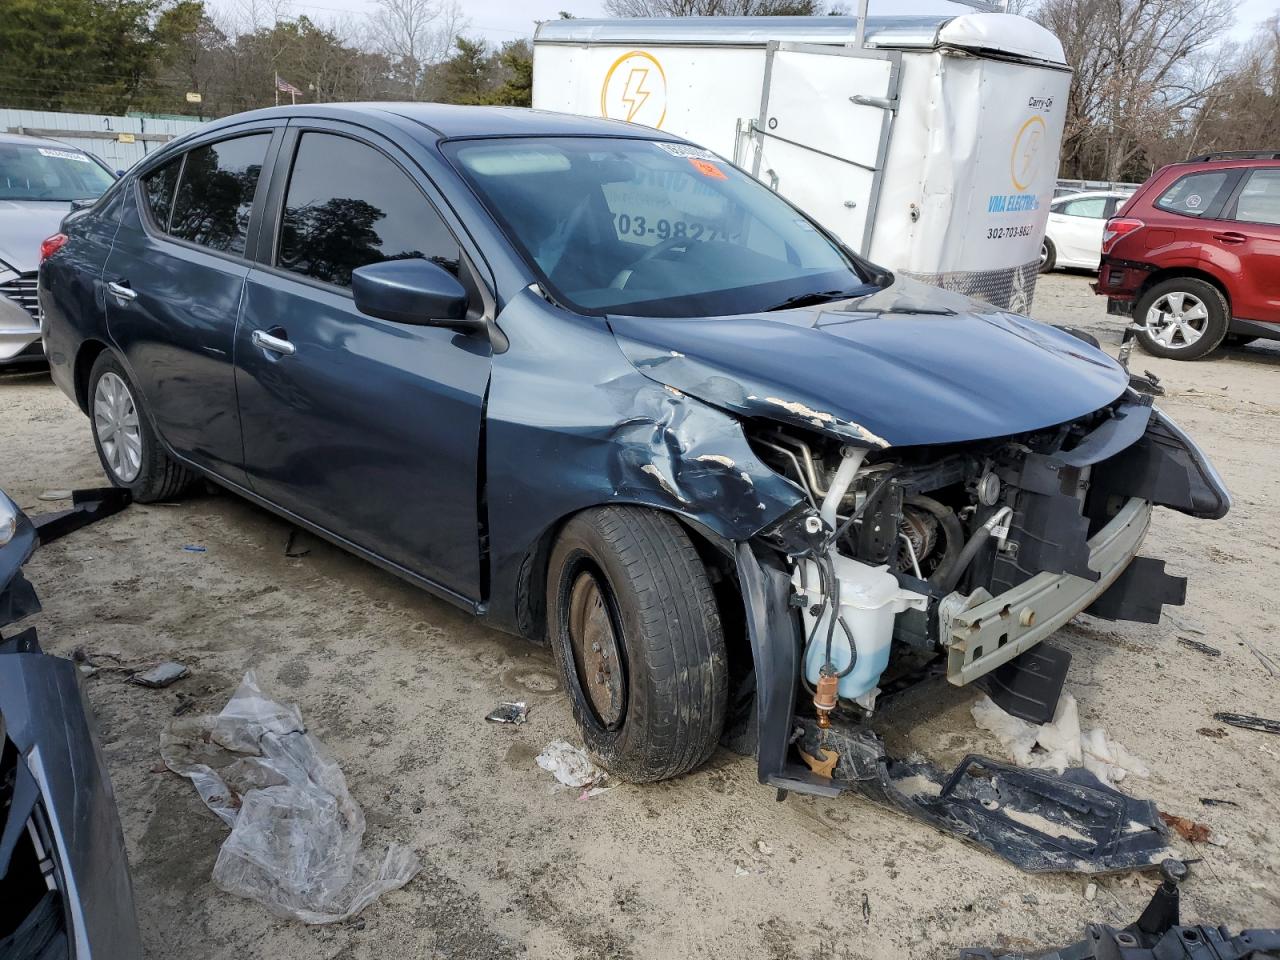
215 194
348 205
159 187
1197 194
1259 200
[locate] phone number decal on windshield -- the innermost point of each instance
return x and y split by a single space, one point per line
636 225
1001 233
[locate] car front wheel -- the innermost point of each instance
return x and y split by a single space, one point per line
1183 319
128 447
635 630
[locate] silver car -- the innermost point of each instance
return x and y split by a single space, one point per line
39 179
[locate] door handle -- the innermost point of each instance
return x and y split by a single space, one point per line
1230 237
266 341
122 292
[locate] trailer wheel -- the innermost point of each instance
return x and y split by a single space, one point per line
1048 255
131 454
635 631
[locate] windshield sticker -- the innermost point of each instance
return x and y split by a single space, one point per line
707 169
63 155
686 150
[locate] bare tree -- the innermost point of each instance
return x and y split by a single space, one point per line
1141 67
414 34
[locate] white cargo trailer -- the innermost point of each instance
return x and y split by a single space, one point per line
928 143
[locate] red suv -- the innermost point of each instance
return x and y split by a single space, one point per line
1194 255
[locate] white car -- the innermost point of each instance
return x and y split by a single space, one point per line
1073 237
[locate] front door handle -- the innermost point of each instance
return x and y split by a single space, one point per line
266 341
1230 237
122 292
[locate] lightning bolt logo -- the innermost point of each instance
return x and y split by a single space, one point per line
634 94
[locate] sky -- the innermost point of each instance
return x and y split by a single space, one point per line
499 20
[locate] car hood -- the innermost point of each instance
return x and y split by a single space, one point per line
908 364
23 224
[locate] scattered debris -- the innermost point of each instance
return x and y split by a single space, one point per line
866 908
764 848
1183 624
56 495
296 841
290 546
1267 662
1213 733
570 764
1190 830
1060 744
194 548
1215 802
516 713
1199 647
1091 892
741 871
593 792
161 675
1249 722
1156 935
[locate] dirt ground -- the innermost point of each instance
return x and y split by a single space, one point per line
397 683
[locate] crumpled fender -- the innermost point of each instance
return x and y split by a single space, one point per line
614 436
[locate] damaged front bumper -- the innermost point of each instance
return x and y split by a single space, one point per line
981 632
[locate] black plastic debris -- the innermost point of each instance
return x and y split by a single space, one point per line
87 506
1199 647
1249 722
1029 685
1039 821
509 713
161 675
1156 935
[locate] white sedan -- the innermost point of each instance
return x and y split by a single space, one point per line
1073 237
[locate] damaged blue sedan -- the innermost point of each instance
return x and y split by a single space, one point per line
599 386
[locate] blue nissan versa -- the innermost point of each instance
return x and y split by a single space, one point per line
599 386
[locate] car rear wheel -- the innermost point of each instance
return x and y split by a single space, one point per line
128 447
1183 319
1048 255
635 631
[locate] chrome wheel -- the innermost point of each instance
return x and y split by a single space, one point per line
1177 320
115 423
1044 253
595 650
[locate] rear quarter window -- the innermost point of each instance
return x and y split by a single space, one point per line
1259 200
1195 194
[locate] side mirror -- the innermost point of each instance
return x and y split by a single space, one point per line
411 291
83 204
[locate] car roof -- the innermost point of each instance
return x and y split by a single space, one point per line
1086 194
24 139
442 121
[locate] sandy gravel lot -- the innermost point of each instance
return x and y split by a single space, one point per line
397 684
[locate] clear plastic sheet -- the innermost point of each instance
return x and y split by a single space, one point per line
296 843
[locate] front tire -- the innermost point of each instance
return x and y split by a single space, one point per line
1183 319
131 454
636 633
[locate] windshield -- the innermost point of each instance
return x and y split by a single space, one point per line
30 172
652 229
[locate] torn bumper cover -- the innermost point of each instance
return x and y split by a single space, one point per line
64 882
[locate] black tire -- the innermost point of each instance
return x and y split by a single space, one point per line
158 476
663 617
1214 322
1048 255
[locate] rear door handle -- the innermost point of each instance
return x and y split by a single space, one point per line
266 341
1230 237
122 291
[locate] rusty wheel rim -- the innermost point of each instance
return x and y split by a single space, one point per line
596 652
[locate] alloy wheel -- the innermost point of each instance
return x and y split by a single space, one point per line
1177 320
115 423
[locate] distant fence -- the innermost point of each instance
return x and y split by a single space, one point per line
120 141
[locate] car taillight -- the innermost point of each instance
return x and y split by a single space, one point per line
1116 228
51 246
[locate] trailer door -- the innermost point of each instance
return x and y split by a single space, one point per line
825 118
